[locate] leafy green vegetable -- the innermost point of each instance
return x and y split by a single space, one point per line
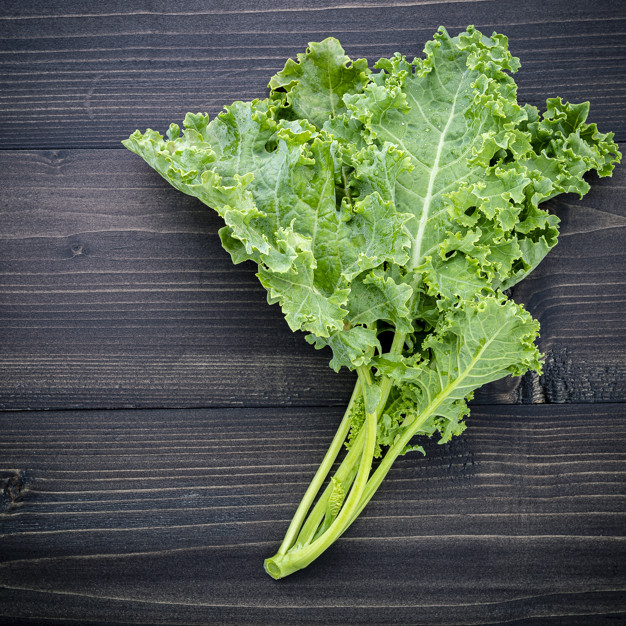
396 203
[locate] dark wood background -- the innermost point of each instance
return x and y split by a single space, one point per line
159 421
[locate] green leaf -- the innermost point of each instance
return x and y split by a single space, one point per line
473 344
474 150
317 82
376 296
304 305
280 205
352 347
440 111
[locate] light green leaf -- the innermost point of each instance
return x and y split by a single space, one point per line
376 296
440 111
473 344
317 82
304 305
274 184
479 160
352 347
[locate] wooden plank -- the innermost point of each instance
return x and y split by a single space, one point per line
165 517
79 74
115 292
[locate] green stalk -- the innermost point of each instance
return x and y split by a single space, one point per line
345 474
387 461
320 475
282 565
305 540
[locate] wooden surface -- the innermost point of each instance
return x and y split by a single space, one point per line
160 422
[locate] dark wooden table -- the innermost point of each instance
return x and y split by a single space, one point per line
160 422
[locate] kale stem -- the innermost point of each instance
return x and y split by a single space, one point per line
320 475
345 474
295 554
282 565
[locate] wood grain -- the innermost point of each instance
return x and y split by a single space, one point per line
115 292
76 74
167 515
